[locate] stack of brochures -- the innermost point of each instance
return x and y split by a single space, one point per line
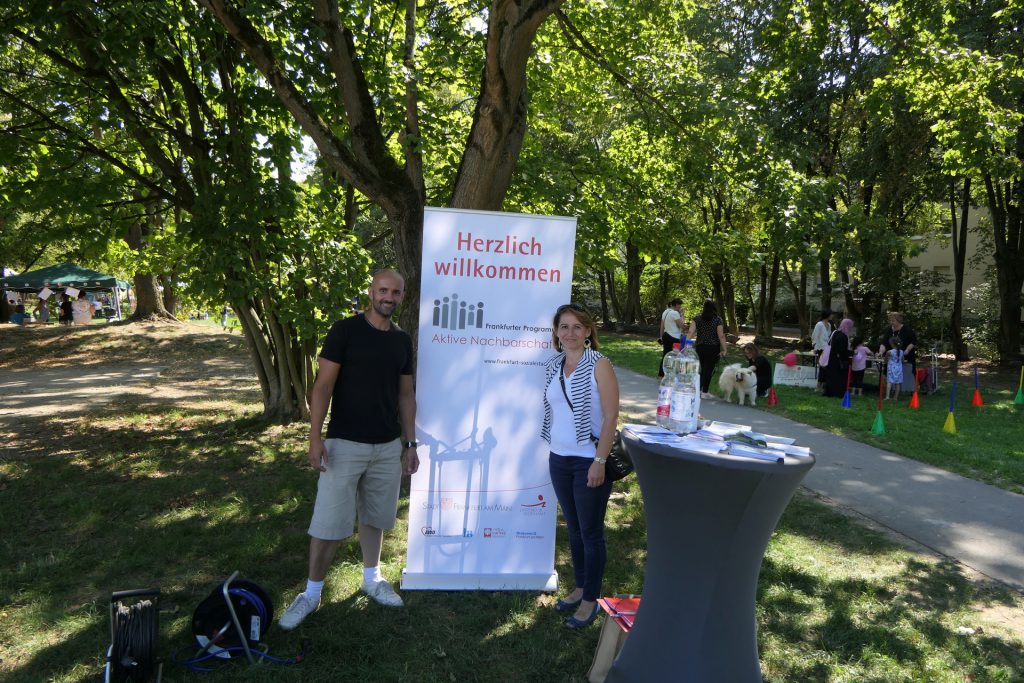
723 438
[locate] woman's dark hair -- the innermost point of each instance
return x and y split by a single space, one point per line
825 313
857 341
710 310
581 315
675 302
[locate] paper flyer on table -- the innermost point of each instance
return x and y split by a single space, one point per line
698 445
726 429
758 436
746 451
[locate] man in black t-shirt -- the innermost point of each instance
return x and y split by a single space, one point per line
366 375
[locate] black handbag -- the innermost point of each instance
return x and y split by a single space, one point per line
619 464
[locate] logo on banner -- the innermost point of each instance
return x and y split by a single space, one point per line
494 532
534 508
452 314
529 536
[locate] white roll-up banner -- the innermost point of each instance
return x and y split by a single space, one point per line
481 507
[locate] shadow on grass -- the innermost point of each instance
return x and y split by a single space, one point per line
181 498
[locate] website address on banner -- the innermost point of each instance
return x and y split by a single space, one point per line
512 361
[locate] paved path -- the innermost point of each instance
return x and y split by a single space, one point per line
979 525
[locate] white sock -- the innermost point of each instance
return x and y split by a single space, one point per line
313 589
371 575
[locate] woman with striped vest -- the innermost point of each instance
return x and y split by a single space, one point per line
581 411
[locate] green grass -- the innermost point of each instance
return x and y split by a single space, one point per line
987 446
160 492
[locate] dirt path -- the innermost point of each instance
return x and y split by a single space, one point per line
50 377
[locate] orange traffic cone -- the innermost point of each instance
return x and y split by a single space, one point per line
772 399
915 402
976 401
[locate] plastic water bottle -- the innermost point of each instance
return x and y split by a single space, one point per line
685 394
689 362
670 368
664 401
670 362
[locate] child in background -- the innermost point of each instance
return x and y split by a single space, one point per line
858 363
894 369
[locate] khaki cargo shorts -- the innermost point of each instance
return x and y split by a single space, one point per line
361 477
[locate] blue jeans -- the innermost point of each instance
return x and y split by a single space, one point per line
584 509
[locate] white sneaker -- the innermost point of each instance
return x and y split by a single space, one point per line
382 592
300 608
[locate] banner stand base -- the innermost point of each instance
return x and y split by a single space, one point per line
479 582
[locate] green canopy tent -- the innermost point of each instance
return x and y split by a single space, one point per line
66 275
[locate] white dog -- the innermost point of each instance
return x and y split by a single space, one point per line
742 379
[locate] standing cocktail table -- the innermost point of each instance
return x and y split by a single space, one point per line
709 518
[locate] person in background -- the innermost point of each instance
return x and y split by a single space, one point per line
20 317
66 313
894 369
81 310
581 410
838 368
42 311
224 317
819 340
906 336
708 332
762 369
858 364
670 331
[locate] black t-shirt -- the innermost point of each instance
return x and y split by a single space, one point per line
906 337
763 372
364 406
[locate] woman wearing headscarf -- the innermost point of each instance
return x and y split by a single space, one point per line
838 359
581 410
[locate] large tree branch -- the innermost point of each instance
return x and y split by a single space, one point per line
366 178
410 138
367 140
83 144
93 68
499 122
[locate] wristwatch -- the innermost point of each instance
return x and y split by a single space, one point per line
410 444
600 461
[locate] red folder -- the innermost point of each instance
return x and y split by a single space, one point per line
621 609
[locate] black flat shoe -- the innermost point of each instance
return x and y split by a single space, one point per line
577 624
563 606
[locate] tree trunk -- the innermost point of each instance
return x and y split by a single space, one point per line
631 313
959 241
825 274
766 300
1004 200
604 301
170 295
848 297
800 297
613 294
149 304
5 308
499 121
761 310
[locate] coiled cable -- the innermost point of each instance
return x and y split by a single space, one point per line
133 651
